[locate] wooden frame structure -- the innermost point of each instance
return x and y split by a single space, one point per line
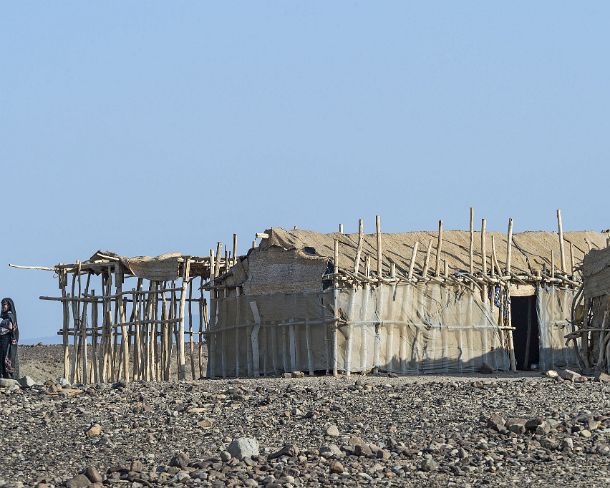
114 333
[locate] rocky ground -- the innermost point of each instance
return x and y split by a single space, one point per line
410 431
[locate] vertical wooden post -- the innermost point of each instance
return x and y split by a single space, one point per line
552 264
94 333
367 266
571 259
360 244
427 259
439 248
336 307
493 255
379 250
191 338
509 247
185 282
471 240
412 263
484 258
234 248
561 250
63 282
118 277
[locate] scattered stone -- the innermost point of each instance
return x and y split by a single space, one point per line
497 423
94 431
336 467
332 431
93 475
243 447
551 373
180 460
602 377
569 375
330 451
27 382
79 481
225 456
289 450
298 374
428 464
8 383
205 424
516 425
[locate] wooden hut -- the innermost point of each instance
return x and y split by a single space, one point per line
416 302
591 311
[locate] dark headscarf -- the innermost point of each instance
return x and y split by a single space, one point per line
11 314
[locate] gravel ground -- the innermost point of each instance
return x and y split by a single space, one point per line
408 431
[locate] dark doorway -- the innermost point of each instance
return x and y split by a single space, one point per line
525 336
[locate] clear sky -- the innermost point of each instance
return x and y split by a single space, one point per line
146 127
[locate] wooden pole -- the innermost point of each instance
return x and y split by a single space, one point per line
471 240
571 259
439 248
413 259
124 334
552 264
484 257
561 249
427 259
379 250
234 248
185 282
336 309
509 247
360 244
191 338
494 256
63 281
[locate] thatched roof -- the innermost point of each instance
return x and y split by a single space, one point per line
531 251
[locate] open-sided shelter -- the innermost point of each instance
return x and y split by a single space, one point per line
128 318
416 302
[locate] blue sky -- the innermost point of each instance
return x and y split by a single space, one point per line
146 127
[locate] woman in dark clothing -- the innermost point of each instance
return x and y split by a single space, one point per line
9 336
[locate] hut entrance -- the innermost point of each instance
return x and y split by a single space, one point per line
526 333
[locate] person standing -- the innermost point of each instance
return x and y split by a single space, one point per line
9 337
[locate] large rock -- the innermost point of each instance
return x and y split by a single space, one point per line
180 460
94 431
332 431
331 451
79 481
569 375
497 422
93 474
27 382
243 447
8 383
516 425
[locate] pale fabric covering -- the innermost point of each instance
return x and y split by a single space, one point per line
165 267
423 328
554 315
596 269
404 329
530 252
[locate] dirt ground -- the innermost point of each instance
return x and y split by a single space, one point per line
481 430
